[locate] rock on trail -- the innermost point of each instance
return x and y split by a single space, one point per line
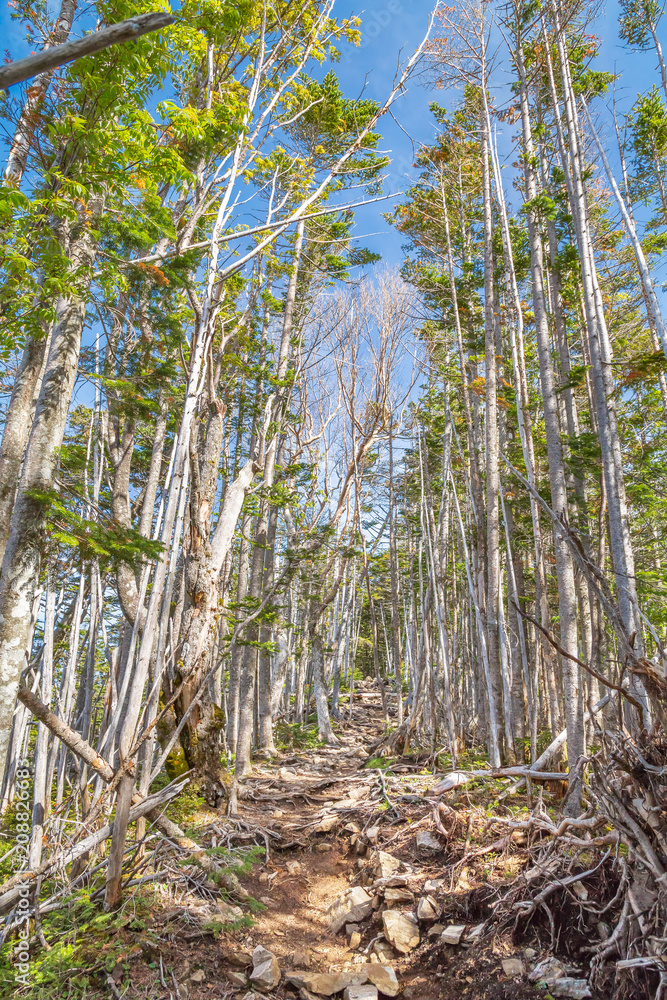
401 929
352 906
356 907
265 973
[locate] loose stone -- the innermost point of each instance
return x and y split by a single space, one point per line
384 977
384 864
365 992
354 905
427 841
453 933
401 930
265 973
427 909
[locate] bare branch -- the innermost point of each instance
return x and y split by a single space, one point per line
58 55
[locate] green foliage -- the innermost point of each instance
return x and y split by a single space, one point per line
544 739
239 860
542 205
380 763
329 124
473 759
186 807
644 367
635 19
176 764
297 736
109 542
649 121
576 379
647 124
84 946
354 675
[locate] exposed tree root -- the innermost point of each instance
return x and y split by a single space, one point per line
596 884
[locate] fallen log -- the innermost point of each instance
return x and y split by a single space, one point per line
456 778
535 771
65 734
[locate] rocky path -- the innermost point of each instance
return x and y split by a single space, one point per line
323 893
352 902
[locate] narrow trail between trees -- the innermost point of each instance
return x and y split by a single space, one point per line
347 843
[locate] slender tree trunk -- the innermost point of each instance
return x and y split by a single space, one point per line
112 893
247 687
599 349
281 661
23 553
18 422
41 790
237 652
567 596
325 732
395 607
492 456
154 472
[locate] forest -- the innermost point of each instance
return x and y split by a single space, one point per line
333 591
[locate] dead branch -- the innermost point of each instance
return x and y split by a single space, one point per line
58 55
11 890
570 656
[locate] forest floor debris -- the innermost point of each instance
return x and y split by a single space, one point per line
424 901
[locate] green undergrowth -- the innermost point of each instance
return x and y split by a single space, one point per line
238 860
8 838
7 869
380 763
244 923
544 739
358 675
470 759
86 944
298 736
186 808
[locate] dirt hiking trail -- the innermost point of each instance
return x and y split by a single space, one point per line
360 897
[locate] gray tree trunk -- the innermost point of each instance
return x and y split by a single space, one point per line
18 422
599 348
23 553
567 595
492 449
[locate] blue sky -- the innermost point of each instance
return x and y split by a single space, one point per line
390 27
390 31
